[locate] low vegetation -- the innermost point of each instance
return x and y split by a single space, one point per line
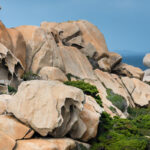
30 76
11 90
117 100
69 76
87 88
124 134
116 133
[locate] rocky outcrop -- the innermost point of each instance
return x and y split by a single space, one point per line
13 41
74 33
139 91
34 38
52 73
5 38
18 45
146 77
45 109
3 103
107 105
48 110
74 62
6 142
108 63
90 117
13 128
91 34
48 144
129 71
113 82
10 67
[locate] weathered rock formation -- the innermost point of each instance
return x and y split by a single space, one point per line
44 109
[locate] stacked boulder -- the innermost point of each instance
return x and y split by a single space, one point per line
47 114
43 109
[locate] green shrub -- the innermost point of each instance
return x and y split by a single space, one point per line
87 88
125 127
135 112
105 123
113 109
80 147
122 134
69 76
30 76
132 143
117 100
11 89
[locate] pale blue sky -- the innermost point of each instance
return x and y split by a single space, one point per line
124 23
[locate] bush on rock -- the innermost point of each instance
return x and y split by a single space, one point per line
117 100
87 88
123 134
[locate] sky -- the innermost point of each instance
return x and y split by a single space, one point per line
124 23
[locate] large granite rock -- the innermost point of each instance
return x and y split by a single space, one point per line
68 59
146 77
19 45
146 60
67 31
52 73
91 34
6 142
113 82
3 103
5 38
139 91
34 38
13 128
49 107
90 115
78 34
107 105
108 63
76 63
46 144
129 71
10 67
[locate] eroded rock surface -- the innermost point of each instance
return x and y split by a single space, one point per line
49 107
90 115
10 67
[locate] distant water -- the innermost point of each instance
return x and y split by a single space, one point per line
135 59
